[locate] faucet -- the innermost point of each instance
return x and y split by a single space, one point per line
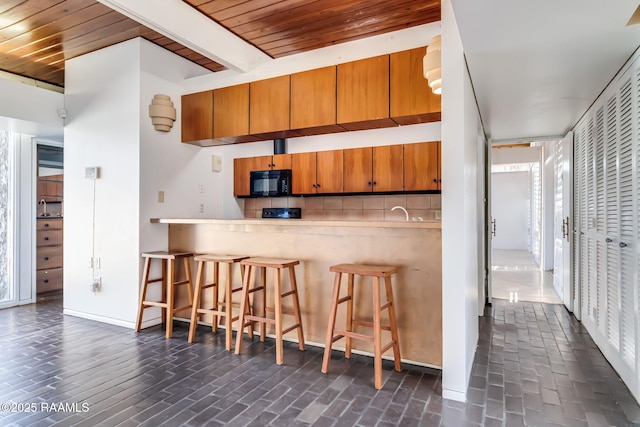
403 209
43 202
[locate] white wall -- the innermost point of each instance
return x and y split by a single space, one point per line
515 155
460 206
548 194
509 196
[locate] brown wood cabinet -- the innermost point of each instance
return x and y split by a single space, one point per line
197 116
231 114
313 101
242 167
48 254
411 98
422 166
373 169
50 188
317 173
363 94
269 103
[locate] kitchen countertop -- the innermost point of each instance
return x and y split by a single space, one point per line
302 222
49 217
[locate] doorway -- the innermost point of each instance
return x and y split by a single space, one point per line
518 226
49 225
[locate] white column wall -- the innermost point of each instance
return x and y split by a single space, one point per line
102 129
548 195
460 206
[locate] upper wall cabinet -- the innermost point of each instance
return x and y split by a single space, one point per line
316 173
422 166
269 107
197 116
373 169
231 114
363 94
313 101
412 100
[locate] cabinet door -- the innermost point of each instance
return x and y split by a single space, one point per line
358 170
269 105
363 93
329 171
421 166
281 161
197 116
313 101
412 100
241 169
387 168
303 173
231 113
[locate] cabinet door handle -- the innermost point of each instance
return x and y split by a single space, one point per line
315 185
374 183
46 258
435 180
46 225
46 238
318 185
46 280
369 183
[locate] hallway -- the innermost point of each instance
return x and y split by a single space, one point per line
535 365
517 277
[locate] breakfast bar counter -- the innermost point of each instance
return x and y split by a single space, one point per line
413 247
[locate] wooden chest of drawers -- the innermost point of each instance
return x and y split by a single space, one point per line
48 254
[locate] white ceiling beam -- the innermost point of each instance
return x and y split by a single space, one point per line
184 24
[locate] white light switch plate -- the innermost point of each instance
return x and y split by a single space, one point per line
216 163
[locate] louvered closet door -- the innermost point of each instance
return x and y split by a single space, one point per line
611 281
578 196
607 215
627 242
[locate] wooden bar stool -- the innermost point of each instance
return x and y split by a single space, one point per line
249 319
333 334
169 286
227 291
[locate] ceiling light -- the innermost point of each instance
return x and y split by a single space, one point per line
431 65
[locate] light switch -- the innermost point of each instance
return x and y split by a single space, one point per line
160 196
216 163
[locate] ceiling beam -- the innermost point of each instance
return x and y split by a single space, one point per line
184 24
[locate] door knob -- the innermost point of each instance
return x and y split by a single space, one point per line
623 245
608 240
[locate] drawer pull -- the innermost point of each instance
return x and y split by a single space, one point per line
46 280
46 258
46 225
46 238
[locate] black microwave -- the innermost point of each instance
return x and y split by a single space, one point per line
271 183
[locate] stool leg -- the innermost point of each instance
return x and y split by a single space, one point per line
328 342
143 292
377 335
278 314
165 281
196 301
263 283
296 306
187 273
216 282
170 289
249 309
228 333
347 351
393 325
243 305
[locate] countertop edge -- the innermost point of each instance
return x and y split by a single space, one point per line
301 222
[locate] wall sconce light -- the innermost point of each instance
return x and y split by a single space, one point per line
431 65
162 113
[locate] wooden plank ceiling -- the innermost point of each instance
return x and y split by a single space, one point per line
37 36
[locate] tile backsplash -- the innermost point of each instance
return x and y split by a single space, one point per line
357 208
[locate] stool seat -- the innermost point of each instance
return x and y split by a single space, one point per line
364 270
166 255
249 319
270 262
169 286
229 259
219 309
377 273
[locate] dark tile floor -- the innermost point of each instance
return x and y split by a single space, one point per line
535 365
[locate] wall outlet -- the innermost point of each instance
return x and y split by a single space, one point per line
92 172
201 207
438 214
201 188
96 284
160 196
